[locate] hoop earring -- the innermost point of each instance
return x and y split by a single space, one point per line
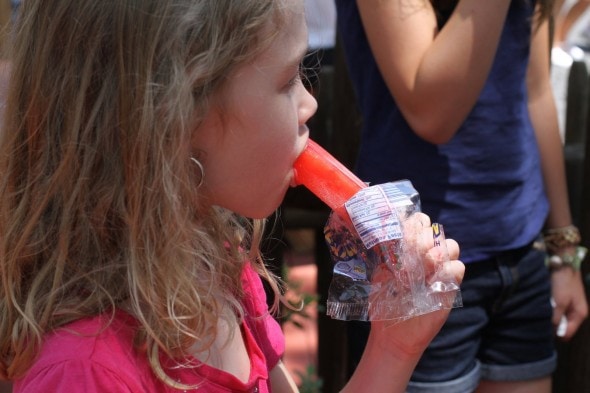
200 166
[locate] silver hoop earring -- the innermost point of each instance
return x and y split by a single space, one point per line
200 166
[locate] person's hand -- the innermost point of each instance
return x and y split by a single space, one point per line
570 300
410 338
393 349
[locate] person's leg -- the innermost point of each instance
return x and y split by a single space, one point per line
542 385
517 353
449 364
502 338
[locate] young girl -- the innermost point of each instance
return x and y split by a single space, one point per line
456 97
139 135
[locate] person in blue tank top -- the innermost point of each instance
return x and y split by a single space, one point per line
455 96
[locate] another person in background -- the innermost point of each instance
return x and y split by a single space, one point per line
144 144
566 18
321 22
456 97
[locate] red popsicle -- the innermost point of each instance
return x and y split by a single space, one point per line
326 177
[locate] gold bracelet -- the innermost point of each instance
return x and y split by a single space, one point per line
557 239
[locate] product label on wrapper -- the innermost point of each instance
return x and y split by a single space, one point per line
373 213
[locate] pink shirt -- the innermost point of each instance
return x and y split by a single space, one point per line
77 359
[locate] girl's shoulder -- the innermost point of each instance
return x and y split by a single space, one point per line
97 354
94 353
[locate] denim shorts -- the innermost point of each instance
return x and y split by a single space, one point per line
503 332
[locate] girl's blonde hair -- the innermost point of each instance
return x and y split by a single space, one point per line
99 208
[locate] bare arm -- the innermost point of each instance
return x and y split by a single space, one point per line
565 21
387 362
435 77
393 349
568 290
544 118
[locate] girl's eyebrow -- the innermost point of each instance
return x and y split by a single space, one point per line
298 57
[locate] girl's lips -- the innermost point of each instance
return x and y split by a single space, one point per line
293 182
325 176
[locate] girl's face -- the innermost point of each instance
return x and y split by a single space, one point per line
248 144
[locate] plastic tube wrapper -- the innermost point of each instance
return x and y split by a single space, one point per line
379 272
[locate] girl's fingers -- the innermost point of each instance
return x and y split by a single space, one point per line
455 268
435 251
421 219
453 249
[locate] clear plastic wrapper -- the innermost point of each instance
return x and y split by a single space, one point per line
379 269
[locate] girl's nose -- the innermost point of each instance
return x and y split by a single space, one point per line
308 107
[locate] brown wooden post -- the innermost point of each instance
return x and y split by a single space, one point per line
575 134
342 142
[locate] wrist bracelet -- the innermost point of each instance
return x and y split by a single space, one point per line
574 261
557 239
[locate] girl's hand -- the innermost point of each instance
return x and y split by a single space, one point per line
410 337
570 300
393 349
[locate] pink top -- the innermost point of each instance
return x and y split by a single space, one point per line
77 359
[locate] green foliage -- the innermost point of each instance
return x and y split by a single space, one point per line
300 306
310 383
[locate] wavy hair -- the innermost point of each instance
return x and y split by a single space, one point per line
99 208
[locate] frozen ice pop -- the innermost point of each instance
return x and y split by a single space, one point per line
326 177
378 269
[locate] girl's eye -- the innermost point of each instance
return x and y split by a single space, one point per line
297 78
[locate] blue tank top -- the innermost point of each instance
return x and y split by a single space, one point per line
485 186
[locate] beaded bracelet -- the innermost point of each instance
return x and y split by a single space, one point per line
574 261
